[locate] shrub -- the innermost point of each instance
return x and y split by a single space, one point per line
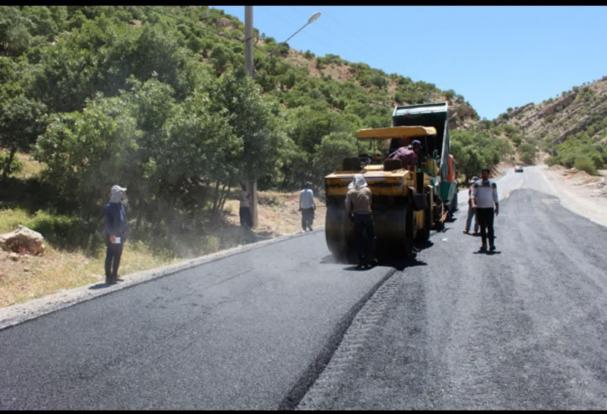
584 163
64 231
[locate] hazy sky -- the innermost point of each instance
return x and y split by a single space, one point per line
495 56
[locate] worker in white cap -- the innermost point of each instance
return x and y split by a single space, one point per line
115 230
358 208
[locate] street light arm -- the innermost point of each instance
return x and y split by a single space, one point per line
312 19
300 29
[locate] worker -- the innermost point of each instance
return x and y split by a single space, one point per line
471 210
451 177
486 202
307 207
358 208
245 209
409 155
115 232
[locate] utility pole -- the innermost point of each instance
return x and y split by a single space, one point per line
250 182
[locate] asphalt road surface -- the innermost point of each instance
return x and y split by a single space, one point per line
249 331
524 328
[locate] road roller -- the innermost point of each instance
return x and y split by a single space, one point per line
407 203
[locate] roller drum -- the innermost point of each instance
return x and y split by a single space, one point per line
392 219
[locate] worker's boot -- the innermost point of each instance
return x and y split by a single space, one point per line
483 248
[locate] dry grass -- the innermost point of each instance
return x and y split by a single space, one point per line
31 277
11 218
29 166
278 213
34 276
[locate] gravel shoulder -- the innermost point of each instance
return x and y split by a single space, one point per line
579 192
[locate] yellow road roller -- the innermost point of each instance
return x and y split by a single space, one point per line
406 203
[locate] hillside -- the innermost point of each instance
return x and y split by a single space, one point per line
572 127
155 98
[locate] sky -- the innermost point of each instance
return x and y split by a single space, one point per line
495 56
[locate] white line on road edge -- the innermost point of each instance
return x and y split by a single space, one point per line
19 313
325 389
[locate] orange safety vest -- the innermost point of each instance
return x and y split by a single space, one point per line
451 168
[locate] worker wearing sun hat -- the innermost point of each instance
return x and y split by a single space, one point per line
358 208
115 230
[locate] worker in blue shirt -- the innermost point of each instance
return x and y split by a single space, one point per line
115 231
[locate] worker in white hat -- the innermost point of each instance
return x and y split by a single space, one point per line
115 231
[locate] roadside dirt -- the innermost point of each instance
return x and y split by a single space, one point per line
278 213
580 192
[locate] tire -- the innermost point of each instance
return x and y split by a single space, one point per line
336 231
408 241
424 234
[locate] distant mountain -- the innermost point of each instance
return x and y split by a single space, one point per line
570 127
581 109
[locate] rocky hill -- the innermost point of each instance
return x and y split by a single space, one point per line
582 109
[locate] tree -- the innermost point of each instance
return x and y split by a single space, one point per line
253 120
21 119
87 152
528 152
201 150
331 151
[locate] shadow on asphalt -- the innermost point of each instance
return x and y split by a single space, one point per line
487 253
401 264
397 263
328 259
99 286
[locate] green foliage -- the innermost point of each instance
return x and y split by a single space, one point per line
67 232
22 119
528 152
252 119
476 149
87 152
332 149
580 152
584 163
155 99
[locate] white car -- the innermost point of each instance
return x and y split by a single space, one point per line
518 168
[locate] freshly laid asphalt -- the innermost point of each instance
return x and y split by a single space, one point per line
249 331
525 328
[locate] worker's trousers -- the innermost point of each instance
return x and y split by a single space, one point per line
307 218
471 214
112 261
485 218
365 237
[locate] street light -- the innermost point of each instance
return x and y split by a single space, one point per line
312 19
251 183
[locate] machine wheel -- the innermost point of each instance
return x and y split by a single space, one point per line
424 234
336 230
409 223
